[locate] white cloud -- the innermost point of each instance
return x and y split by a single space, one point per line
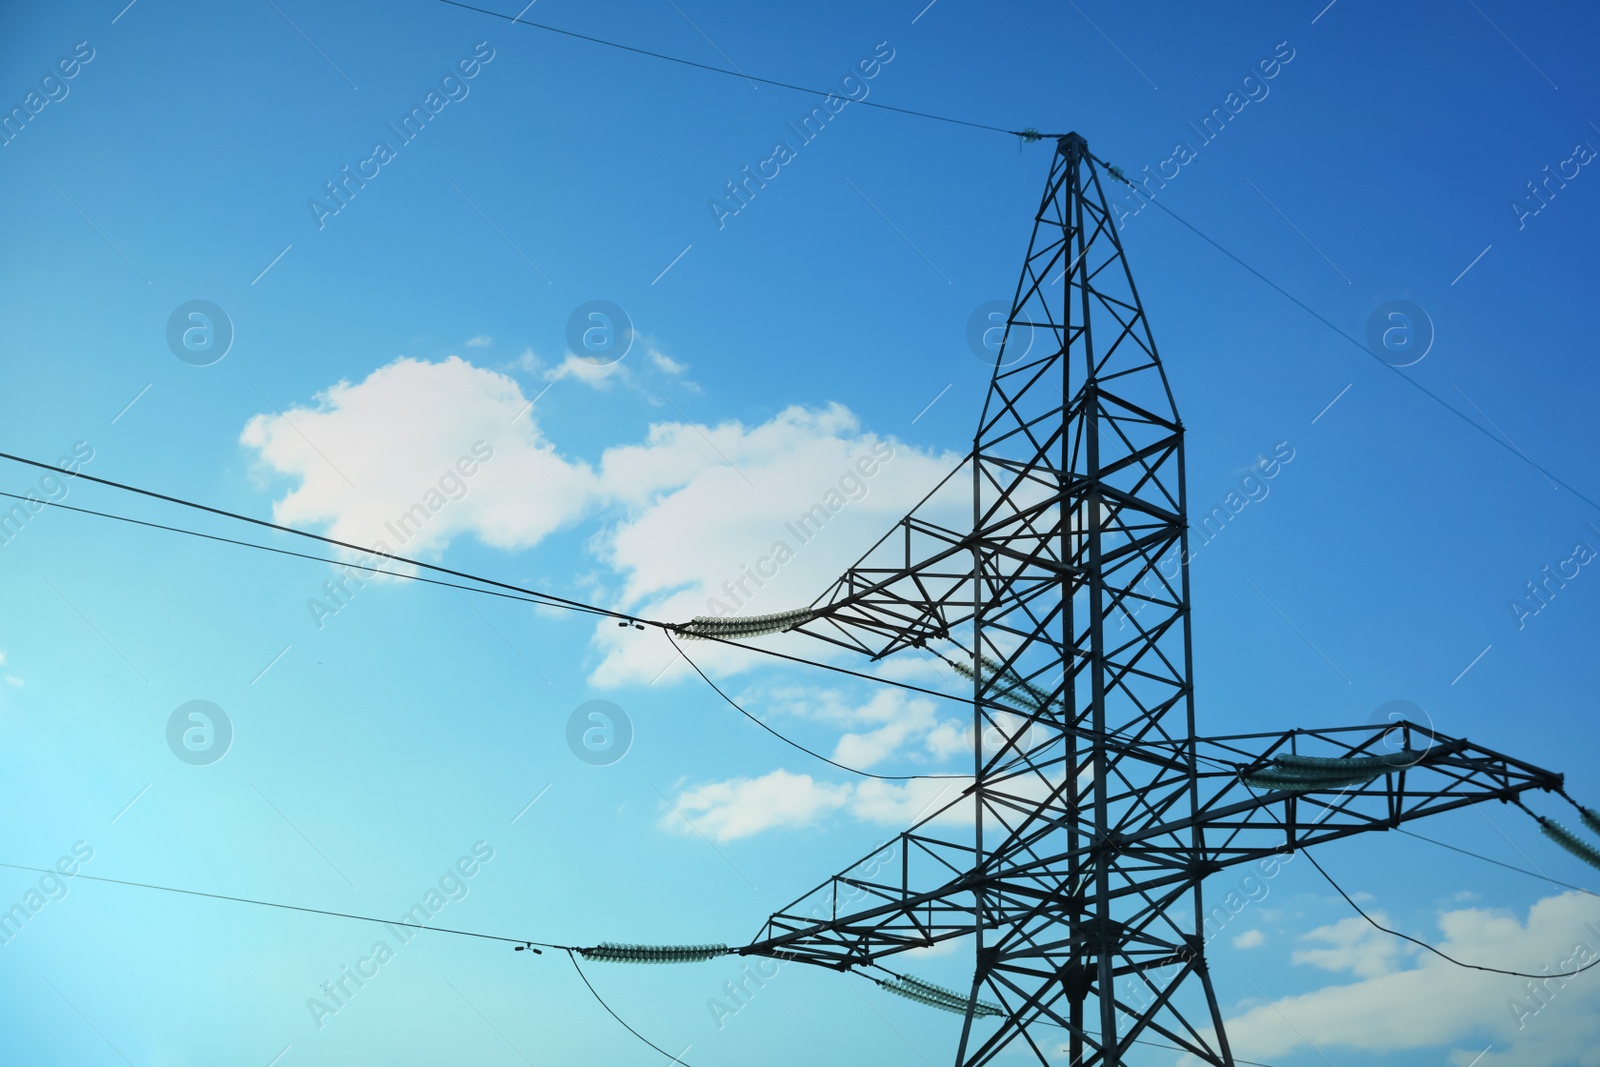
720 523
782 800
480 341
605 376
585 372
1435 1004
700 518
377 461
744 806
901 804
696 514
902 719
1356 947
949 738
1250 939
666 363
892 722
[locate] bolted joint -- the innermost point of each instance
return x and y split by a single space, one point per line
1076 981
1109 847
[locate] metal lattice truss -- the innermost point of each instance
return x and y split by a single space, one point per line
1075 856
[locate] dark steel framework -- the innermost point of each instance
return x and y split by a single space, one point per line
1095 809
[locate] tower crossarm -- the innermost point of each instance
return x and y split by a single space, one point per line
913 892
1269 794
1256 795
905 600
916 584
1262 795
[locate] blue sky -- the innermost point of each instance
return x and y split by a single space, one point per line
374 348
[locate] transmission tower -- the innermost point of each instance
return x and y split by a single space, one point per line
1096 810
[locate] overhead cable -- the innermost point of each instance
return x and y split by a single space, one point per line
1028 135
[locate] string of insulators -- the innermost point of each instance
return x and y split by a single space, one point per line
706 626
1590 819
1270 781
612 952
1036 700
1346 765
937 996
1295 773
1570 841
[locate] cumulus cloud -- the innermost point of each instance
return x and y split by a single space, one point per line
691 520
587 372
480 341
744 806
380 462
901 720
730 519
1250 939
605 376
892 722
666 363
782 800
1354 946
694 519
902 804
1410 1000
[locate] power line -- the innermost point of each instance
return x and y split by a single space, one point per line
1115 735
537 598
519 942
573 956
550 598
795 744
511 592
775 654
1500 863
1175 1048
518 20
1418 941
287 907
1308 309
275 551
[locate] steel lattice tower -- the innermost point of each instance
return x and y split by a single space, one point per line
1095 810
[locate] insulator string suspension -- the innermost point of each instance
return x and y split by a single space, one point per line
614 952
